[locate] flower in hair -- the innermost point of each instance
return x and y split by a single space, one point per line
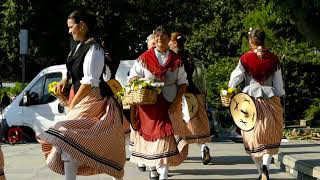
179 37
258 51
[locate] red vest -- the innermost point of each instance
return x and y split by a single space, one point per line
260 69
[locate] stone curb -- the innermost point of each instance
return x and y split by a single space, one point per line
298 168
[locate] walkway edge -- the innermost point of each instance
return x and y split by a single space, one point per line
298 168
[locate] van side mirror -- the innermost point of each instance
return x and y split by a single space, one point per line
25 98
33 98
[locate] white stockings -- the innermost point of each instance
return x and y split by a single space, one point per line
264 160
163 171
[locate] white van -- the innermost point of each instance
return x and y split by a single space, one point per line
34 110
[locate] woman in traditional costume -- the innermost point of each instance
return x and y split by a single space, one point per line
154 143
2 176
84 144
150 45
198 126
263 82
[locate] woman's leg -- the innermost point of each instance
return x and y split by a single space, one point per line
70 170
205 154
258 163
70 166
266 160
163 172
2 176
153 173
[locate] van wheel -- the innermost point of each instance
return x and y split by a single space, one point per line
14 135
20 134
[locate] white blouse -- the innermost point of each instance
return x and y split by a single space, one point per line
255 89
93 65
172 79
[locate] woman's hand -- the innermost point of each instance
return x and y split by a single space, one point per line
59 88
82 92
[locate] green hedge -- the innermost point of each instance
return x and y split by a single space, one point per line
14 91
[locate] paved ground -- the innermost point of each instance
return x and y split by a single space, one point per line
25 162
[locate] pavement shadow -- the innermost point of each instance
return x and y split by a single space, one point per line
222 160
298 145
241 179
201 172
221 172
303 152
310 162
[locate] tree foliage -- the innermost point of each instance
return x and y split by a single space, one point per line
216 34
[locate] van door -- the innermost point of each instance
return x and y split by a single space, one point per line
43 110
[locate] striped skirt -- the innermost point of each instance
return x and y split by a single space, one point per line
266 136
164 151
2 176
197 130
93 136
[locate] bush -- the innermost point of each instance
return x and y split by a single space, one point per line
13 91
300 69
218 75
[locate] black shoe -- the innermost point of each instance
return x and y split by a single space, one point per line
154 177
206 158
141 168
264 173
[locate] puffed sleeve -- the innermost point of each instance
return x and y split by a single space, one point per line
107 74
93 65
237 76
278 82
182 76
136 70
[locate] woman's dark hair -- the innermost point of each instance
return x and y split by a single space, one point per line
161 29
88 17
177 36
257 36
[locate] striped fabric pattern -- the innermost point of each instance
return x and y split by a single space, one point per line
93 136
164 151
266 136
197 130
2 176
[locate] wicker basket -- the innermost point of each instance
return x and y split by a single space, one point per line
226 99
140 97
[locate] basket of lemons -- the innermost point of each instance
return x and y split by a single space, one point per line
226 96
140 92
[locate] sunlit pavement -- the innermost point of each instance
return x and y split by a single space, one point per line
25 162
